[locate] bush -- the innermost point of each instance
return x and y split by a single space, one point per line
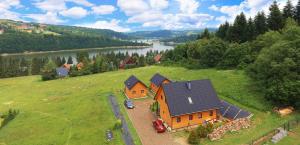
193 138
118 124
11 114
203 131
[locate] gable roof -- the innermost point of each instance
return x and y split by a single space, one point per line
62 72
131 81
190 96
158 79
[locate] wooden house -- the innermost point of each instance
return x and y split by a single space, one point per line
156 81
134 88
188 103
157 58
126 62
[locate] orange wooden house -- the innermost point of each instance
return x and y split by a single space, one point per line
189 103
134 88
156 81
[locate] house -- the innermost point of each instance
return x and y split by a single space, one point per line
157 58
1 31
79 66
187 103
134 88
67 66
126 62
156 81
62 72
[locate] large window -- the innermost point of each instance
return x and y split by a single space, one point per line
178 119
199 115
133 92
211 113
190 117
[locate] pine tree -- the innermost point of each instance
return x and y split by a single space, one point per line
250 30
260 23
297 14
222 31
275 19
204 35
63 61
58 61
237 33
70 60
288 10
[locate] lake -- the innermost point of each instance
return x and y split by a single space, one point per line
157 46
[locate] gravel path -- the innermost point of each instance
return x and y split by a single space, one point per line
125 131
142 118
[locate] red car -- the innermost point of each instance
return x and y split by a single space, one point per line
158 126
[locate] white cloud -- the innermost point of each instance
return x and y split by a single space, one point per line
6 13
112 25
48 18
81 2
103 9
159 4
133 7
51 5
75 12
188 6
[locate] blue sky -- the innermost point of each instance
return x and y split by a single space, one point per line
132 15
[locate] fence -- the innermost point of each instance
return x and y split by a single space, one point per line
286 126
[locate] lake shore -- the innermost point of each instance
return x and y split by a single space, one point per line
74 50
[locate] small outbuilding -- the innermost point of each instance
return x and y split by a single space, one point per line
62 72
134 88
156 81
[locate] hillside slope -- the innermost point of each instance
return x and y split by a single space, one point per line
16 36
76 111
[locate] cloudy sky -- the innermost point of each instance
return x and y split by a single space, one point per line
132 15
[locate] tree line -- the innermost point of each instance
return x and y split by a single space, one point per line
243 30
270 55
103 62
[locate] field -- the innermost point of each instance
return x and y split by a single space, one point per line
76 111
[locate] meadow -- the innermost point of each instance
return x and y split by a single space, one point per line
76 111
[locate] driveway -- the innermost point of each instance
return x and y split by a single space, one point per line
142 117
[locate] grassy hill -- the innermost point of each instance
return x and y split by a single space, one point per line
76 111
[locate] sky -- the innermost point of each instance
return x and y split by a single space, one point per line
133 15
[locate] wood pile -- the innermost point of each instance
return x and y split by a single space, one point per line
235 125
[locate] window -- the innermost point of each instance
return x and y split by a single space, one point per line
133 92
199 115
178 119
162 97
142 91
211 113
190 117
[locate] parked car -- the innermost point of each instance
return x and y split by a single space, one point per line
159 126
128 104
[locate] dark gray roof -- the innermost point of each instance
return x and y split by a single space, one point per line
62 72
131 81
201 92
157 79
232 112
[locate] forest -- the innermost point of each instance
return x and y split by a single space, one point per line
266 47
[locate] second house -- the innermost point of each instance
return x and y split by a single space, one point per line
134 88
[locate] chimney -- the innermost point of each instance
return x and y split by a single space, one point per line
189 85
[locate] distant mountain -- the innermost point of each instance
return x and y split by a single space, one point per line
17 36
166 34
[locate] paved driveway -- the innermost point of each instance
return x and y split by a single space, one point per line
142 117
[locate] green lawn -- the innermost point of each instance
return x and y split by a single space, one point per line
76 111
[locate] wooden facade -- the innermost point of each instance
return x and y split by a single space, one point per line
184 120
139 90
